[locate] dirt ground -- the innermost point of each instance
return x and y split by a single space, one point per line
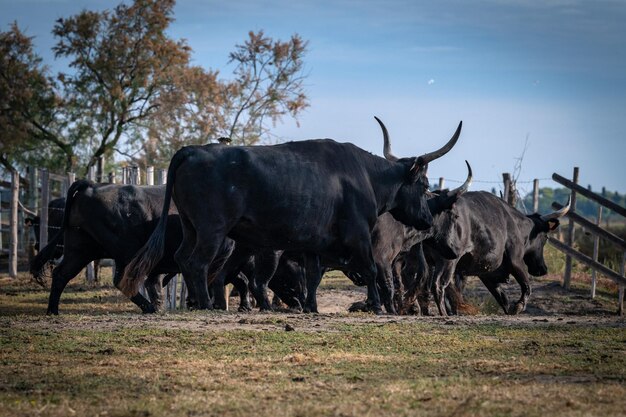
549 303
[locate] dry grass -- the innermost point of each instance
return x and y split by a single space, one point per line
100 357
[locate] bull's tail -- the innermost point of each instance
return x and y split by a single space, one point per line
151 253
46 254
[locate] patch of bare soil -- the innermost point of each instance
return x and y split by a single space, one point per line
549 298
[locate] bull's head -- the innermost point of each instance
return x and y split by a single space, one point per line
411 205
442 200
533 257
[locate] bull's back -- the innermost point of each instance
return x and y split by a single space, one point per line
120 218
292 193
484 221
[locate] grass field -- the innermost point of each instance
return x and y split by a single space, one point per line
100 357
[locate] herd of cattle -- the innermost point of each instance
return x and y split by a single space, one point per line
279 216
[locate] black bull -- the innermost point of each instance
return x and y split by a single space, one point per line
55 224
110 221
492 240
391 239
319 197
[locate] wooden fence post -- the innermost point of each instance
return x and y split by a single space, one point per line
442 182
1 243
71 177
183 294
567 277
535 195
506 178
162 177
33 197
90 269
620 296
43 217
15 191
99 168
135 175
150 176
172 286
596 249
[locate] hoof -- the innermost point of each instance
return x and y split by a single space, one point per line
149 310
358 307
516 309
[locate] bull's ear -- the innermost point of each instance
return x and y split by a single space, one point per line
553 224
417 170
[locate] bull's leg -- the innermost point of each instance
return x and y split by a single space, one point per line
365 266
443 276
496 290
218 292
96 270
291 295
373 297
197 282
415 276
423 301
453 299
220 297
230 269
264 268
203 264
154 290
426 289
241 284
521 276
139 300
313 272
69 267
181 256
385 283
191 257
400 290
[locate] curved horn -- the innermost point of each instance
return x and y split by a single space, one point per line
25 210
431 156
560 213
465 186
387 145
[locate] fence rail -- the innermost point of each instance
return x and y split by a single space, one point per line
589 194
597 231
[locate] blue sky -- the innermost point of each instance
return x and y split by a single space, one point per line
551 74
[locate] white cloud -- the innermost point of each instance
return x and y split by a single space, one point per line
431 81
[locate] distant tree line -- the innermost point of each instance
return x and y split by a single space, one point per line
131 91
584 206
